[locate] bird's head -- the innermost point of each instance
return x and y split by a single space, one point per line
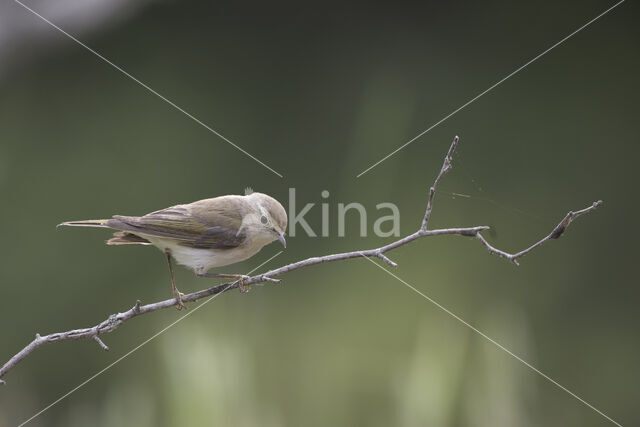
269 217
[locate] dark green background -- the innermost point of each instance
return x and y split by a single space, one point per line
319 92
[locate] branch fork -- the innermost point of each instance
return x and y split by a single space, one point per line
116 320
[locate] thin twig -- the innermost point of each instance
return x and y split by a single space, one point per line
446 167
556 233
115 320
100 343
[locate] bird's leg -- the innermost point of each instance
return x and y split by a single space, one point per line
240 278
179 304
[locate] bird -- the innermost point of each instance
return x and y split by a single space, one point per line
203 234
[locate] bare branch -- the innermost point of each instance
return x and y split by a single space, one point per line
555 233
115 320
100 343
387 260
446 167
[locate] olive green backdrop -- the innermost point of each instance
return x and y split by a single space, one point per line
319 92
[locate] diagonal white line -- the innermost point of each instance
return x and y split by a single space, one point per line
494 342
133 350
517 70
174 105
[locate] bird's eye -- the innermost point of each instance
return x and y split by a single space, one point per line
263 219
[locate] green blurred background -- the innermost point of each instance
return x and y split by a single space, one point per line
319 92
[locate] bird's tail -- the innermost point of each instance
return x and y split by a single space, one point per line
86 223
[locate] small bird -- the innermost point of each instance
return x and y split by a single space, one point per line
204 234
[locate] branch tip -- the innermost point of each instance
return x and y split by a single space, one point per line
101 343
571 215
386 259
453 146
446 166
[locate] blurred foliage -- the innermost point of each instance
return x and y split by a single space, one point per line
319 93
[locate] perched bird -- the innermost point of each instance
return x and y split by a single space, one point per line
204 234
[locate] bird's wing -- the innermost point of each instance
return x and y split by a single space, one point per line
206 224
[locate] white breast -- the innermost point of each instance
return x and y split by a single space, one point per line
202 260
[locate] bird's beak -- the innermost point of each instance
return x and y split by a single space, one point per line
282 240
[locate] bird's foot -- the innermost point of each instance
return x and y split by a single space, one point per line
241 278
179 304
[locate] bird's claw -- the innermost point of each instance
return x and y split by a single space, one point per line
179 304
240 281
